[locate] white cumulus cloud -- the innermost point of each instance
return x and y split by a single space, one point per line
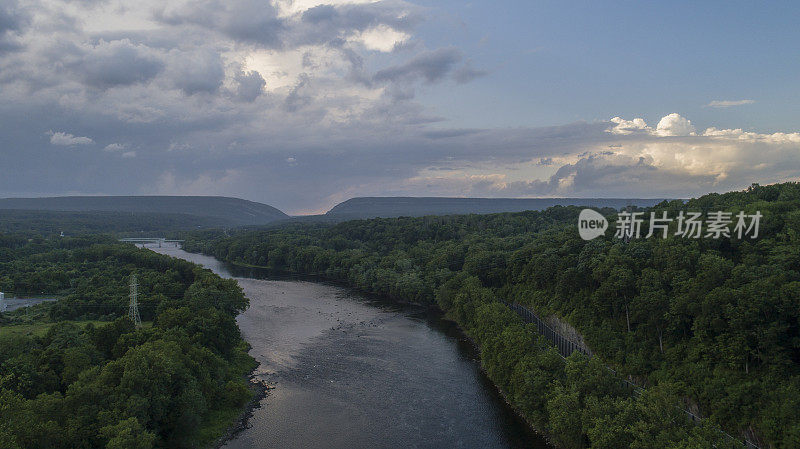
674 125
669 125
626 127
66 139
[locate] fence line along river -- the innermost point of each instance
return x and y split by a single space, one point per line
352 371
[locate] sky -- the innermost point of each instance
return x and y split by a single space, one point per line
303 104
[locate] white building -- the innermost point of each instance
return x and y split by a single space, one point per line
2 302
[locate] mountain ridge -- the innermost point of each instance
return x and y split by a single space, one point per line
369 207
234 211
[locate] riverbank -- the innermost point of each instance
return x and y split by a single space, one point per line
533 428
272 273
95 378
622 296
435 308
374 373
259 390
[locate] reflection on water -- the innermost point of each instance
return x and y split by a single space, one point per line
355 372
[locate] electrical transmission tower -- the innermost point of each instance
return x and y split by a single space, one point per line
133 310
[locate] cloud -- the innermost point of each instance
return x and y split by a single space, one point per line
728 103
627 127
431 66
200 85
669 125
381 38
378 26
277 26
114 147
579 159
467 73
66 139
249 85
201 71
613 173
745 136
674 125
251 21
447 133
117 63
298 97
13 19
233 97
624 158
215 182
10 16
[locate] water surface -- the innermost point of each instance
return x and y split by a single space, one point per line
352 371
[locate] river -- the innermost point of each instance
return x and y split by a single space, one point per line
352 371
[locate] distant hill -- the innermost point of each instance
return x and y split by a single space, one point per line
128 224
212 209
369 207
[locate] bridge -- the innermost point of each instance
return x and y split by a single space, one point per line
161 241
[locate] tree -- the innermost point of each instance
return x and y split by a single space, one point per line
127 434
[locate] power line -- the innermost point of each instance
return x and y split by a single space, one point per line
565 347
133 310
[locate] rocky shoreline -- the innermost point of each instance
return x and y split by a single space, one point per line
260 390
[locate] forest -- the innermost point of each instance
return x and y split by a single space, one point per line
130 224
706 325
78 373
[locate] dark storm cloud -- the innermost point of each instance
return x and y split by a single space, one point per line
258 22
251 21
12 20
258 25
371 163
431 66
180 97
303 110
360 17
196 72
297 98
117 63
163 39
249 86
614 175
11 17
325 24
596 171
